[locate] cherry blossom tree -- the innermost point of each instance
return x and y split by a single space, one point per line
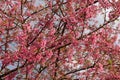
59 40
